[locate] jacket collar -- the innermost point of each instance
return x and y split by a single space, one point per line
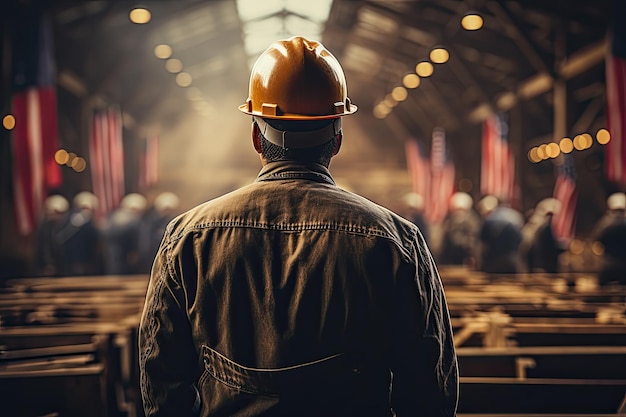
282 170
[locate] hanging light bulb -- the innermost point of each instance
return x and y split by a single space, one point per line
140 15
472 21
439 55
424 69
411 80
399 93
163 51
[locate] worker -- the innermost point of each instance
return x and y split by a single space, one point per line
291 296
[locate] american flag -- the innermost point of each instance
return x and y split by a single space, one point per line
497 175
149 162
33 102
418 166
442 174
565 191
615 68
106 157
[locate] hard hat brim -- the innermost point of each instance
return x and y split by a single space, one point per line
244 109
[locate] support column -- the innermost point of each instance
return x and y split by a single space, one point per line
560 86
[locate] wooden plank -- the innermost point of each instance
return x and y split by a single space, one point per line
560 396
534 415
481 329
558 362
78 391
47 322
47 351
114 350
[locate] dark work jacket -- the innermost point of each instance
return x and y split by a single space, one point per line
613 239
293 297
501 237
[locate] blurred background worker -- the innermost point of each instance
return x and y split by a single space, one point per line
610 232
460 244
540 249
291 296
500 237
152 227
121 236
615 208
49 259
486 205
81 237
414 211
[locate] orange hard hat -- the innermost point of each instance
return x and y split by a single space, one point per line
297 79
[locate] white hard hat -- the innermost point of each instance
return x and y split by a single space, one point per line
461 201
56 203
166 201
85 199
548 205
616 201
487 204
414 200
134 201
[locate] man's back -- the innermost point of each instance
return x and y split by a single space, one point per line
301 296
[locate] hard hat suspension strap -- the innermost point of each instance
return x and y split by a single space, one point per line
295 140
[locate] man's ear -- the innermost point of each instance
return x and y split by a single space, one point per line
339 138
256 137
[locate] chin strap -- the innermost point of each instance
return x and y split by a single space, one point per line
296 140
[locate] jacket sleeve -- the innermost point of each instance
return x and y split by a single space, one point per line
423 357
168 359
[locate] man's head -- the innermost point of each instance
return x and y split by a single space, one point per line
297 96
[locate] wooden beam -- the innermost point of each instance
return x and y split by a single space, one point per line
512 27
541 83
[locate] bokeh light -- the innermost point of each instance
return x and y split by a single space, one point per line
8 122
603 136
439 55
566 145
424 69
163 51
472 21
411 80
140 16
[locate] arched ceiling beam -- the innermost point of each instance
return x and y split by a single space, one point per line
517 34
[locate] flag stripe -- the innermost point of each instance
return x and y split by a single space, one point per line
615 71
418 167
153 160
34 143
33 102
497 175
565 191
34 138
442 176
95 161
21 166
47 100
616 115
117 151
149 162
106 154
